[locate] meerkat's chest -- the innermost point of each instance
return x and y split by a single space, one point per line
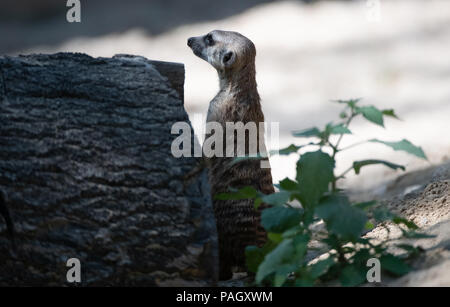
225 109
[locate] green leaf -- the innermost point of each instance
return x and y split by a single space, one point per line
332 241
357 165
400 220
290 149
254 255
304 281
394 264
285 258
288 185
276 199
350 102
365 205
340 217
372 114
279 218
275 237
321 267
291 232
330 129
382 214
389 112
361 256
281 274
307 133
301 244
369 226
338 129
416 235
244 193
352 275
258 202
403 145
410 249
347 249
314 174
407 247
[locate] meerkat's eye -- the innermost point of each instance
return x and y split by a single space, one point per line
209 40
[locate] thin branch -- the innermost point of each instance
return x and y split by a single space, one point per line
344 173
347 124
336 147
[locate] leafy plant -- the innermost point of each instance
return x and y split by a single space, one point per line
284 260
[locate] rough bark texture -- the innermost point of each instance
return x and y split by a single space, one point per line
86 165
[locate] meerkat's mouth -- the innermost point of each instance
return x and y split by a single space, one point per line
197 52
195 47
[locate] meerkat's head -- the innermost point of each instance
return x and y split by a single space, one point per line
224 50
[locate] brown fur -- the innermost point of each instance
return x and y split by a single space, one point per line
238 223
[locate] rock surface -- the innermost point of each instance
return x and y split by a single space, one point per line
86 164
428 206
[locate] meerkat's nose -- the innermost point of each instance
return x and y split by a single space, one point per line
189 42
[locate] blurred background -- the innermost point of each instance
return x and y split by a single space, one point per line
393 53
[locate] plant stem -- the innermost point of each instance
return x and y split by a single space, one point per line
347 124
344 173
336 148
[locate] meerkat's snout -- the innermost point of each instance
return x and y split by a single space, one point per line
198 47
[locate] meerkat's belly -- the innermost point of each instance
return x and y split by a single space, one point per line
238 222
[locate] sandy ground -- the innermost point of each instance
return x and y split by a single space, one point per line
310 54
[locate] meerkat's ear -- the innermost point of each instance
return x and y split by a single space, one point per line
228 58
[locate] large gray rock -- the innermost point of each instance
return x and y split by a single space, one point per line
86 165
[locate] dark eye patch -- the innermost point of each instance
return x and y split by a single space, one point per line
209 41
227 57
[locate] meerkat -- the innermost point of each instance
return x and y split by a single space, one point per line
238 222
